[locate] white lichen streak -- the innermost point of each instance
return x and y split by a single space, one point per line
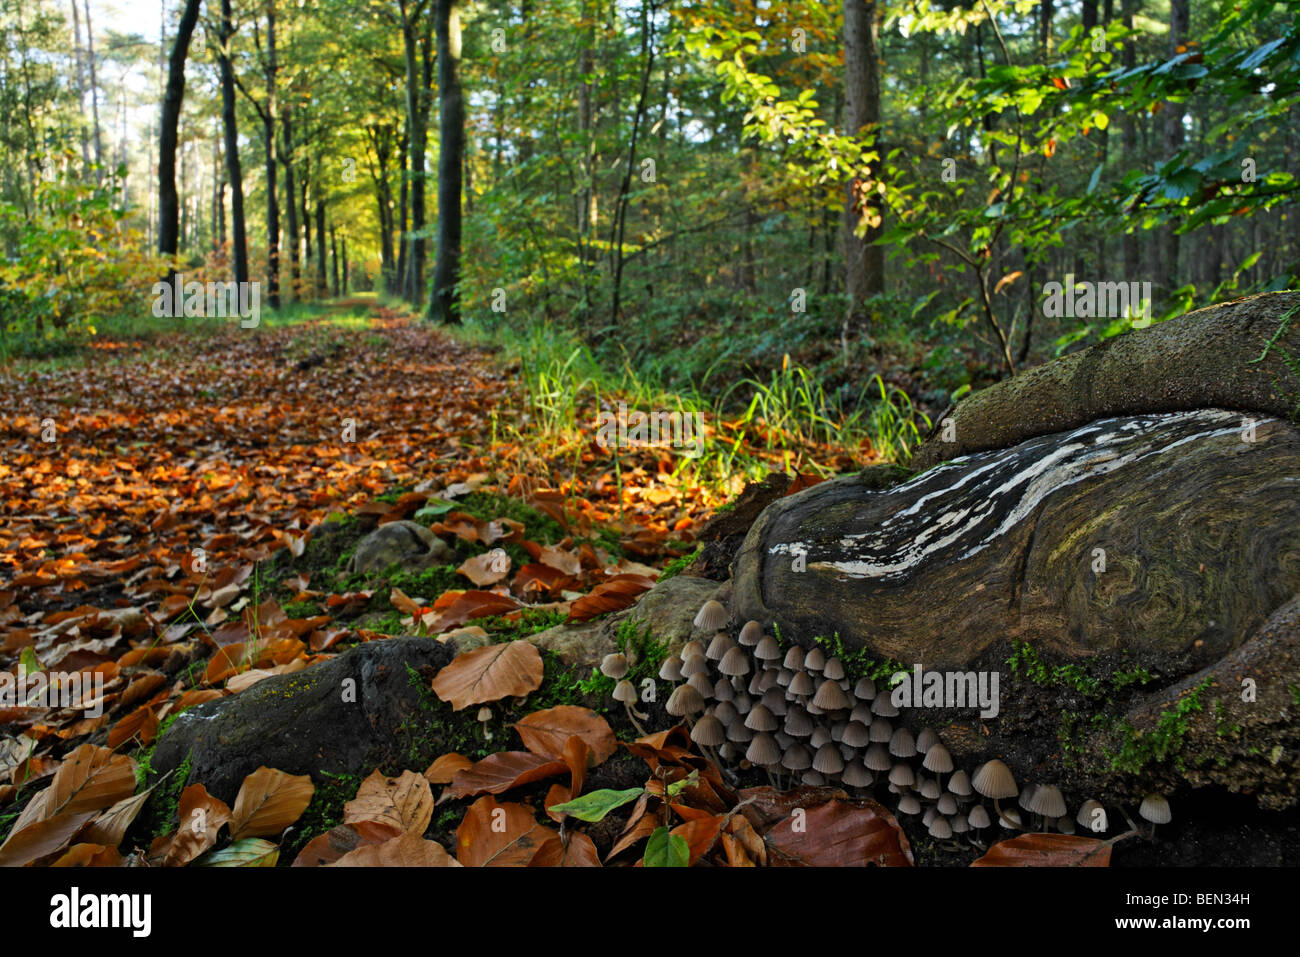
978 505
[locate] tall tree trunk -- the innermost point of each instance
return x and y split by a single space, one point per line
334 258
346 273
94 91
1045 12
272 67
291 205
168 201
322 286
234 172
81 84
864 270
418 61
444 304
1128 135
218 197
1179 19
403 212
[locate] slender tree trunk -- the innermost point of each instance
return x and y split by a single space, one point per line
94 92
346 273
415 47
444 304
334 259
234 171
322 285
1128 136
863 262
1179 18
291 205
403 209
81 84
168 200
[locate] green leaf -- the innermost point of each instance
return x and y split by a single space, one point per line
594 806
250 852
435 509
665 849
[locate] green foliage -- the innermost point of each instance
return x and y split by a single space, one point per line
594 805
679 565
858 664
665 849
1142 748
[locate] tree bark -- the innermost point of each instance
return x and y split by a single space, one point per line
863 262
94 93
444 304
168 200
234 171
1179 20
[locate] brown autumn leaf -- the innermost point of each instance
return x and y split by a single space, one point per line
500 772
547 732
269 801
111 826
89 855
41 838
839 834
767 806
406 802
489 674
1047 850
486 569
90 779
742 831
445 768
618 593
558 794
643 827
512 842
201 818
700 834
398 599
337 841
737 856
578 852
577 756
409 850
465 606
1007 280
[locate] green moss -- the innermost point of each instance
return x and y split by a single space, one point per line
162 808
323 813
1025 662
1222 725
529 622
489 506
857 664
646 654
678 565
1295 694
302 609
1142 748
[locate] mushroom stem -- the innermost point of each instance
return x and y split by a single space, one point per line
632 716
1003 818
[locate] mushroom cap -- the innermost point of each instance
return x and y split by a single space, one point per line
1047 801
725 711
784 677
812 708
856 776
775 702
814 779
793 658
796 758
755 686
1155 808
671 669
692 647
883 705
734 662
1027 795
614 665
694 665
820 736
750 634
929 815
722 690
801 684
926 740
994 780
729 752
815 659
901 775
882 732
831 697
761 719
719 646
767 681
940 828
959 784
862 712
783 739
908 804
742 702
929 789
848 751
877 758
763 750
947 804
1065 824
833 669
960 824
1010 819
856 735
798 722
902 744
737 732
709 731
684 701
767 649
702 684
837 731
828 760
979 817
938 760
485 714
1088 811
711 616
625 692
865 689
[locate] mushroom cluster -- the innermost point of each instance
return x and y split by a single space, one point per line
798 716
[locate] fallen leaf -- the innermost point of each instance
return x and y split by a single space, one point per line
489 674
1047 850
547 732
329 847
446 767
405 802
499 835
578 852
269 801
409 850
250 852
839 834
201 819
41 838
500 772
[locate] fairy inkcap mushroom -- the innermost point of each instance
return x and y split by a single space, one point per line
814 660
734 662
796 758
775 702
767 649
814 779
684 702
831 697
820 736
901 743
737 732
993 779
722 690
908 804
833 669
929 789
750 634
828 760
692 647
719 646
847 751
947 804
798 723
625 694
712 616
793 658
883 705
725 711
877 758
695 665
1047 802
671 669
761 719
865 689
979 817
901 775
614 665
742 703
940 829
1092 815
856 735
763 750
709 731
1155 808
801 684
959 784
856 776
881 731
926 740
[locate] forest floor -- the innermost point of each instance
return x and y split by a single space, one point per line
213 484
